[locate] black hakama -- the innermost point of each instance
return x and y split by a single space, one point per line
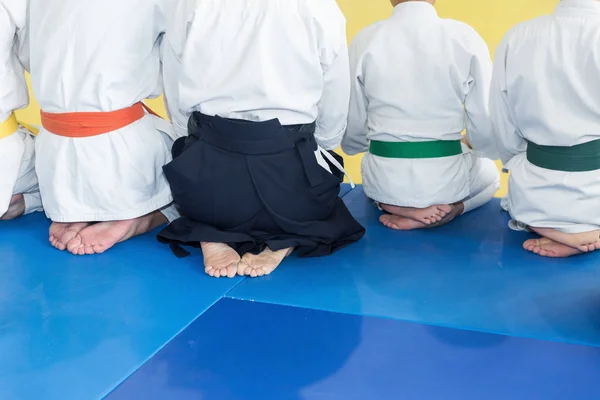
253 185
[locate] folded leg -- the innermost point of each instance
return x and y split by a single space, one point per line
485 182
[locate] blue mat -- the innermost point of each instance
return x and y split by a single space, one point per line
75 327
471 274
253 351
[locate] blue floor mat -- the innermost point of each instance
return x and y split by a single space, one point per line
471 274
75 327
253 351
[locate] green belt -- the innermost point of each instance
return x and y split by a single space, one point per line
579 158
433 149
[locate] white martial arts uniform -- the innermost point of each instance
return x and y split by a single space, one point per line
17 158
171 71
546 90
417 77
258 60
100 56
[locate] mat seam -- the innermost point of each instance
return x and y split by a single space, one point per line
129 375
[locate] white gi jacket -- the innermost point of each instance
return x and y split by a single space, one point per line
417 77
258 60
17 157
99 56
546 89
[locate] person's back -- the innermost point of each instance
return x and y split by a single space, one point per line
258 60
265 87
420 78
99 155
97 56
545 93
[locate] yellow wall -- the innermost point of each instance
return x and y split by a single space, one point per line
491 18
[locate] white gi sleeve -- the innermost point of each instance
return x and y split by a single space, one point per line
355 140
508 139
23 41
14 19
179 16
333 49
478 123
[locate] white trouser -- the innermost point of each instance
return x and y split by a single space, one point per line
170 211
484 182
479 177
17 160
110 177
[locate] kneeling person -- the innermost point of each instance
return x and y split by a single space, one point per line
19 193
546 115
100 153
254 178
417 82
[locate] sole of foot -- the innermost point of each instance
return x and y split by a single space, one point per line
99 237
220 260
403 223
257 265
62 233
585 242
427 216
549 248
16 208
400 223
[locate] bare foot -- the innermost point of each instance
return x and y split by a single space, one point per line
584 242
220 260
61 233
400 223
403 223
549 248
15 209
427 216
98 238
262 264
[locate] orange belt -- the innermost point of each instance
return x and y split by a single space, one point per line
87 124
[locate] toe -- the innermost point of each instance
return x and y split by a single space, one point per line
74 243
241 268
74 250
232 270
583 248
446 208
99 249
